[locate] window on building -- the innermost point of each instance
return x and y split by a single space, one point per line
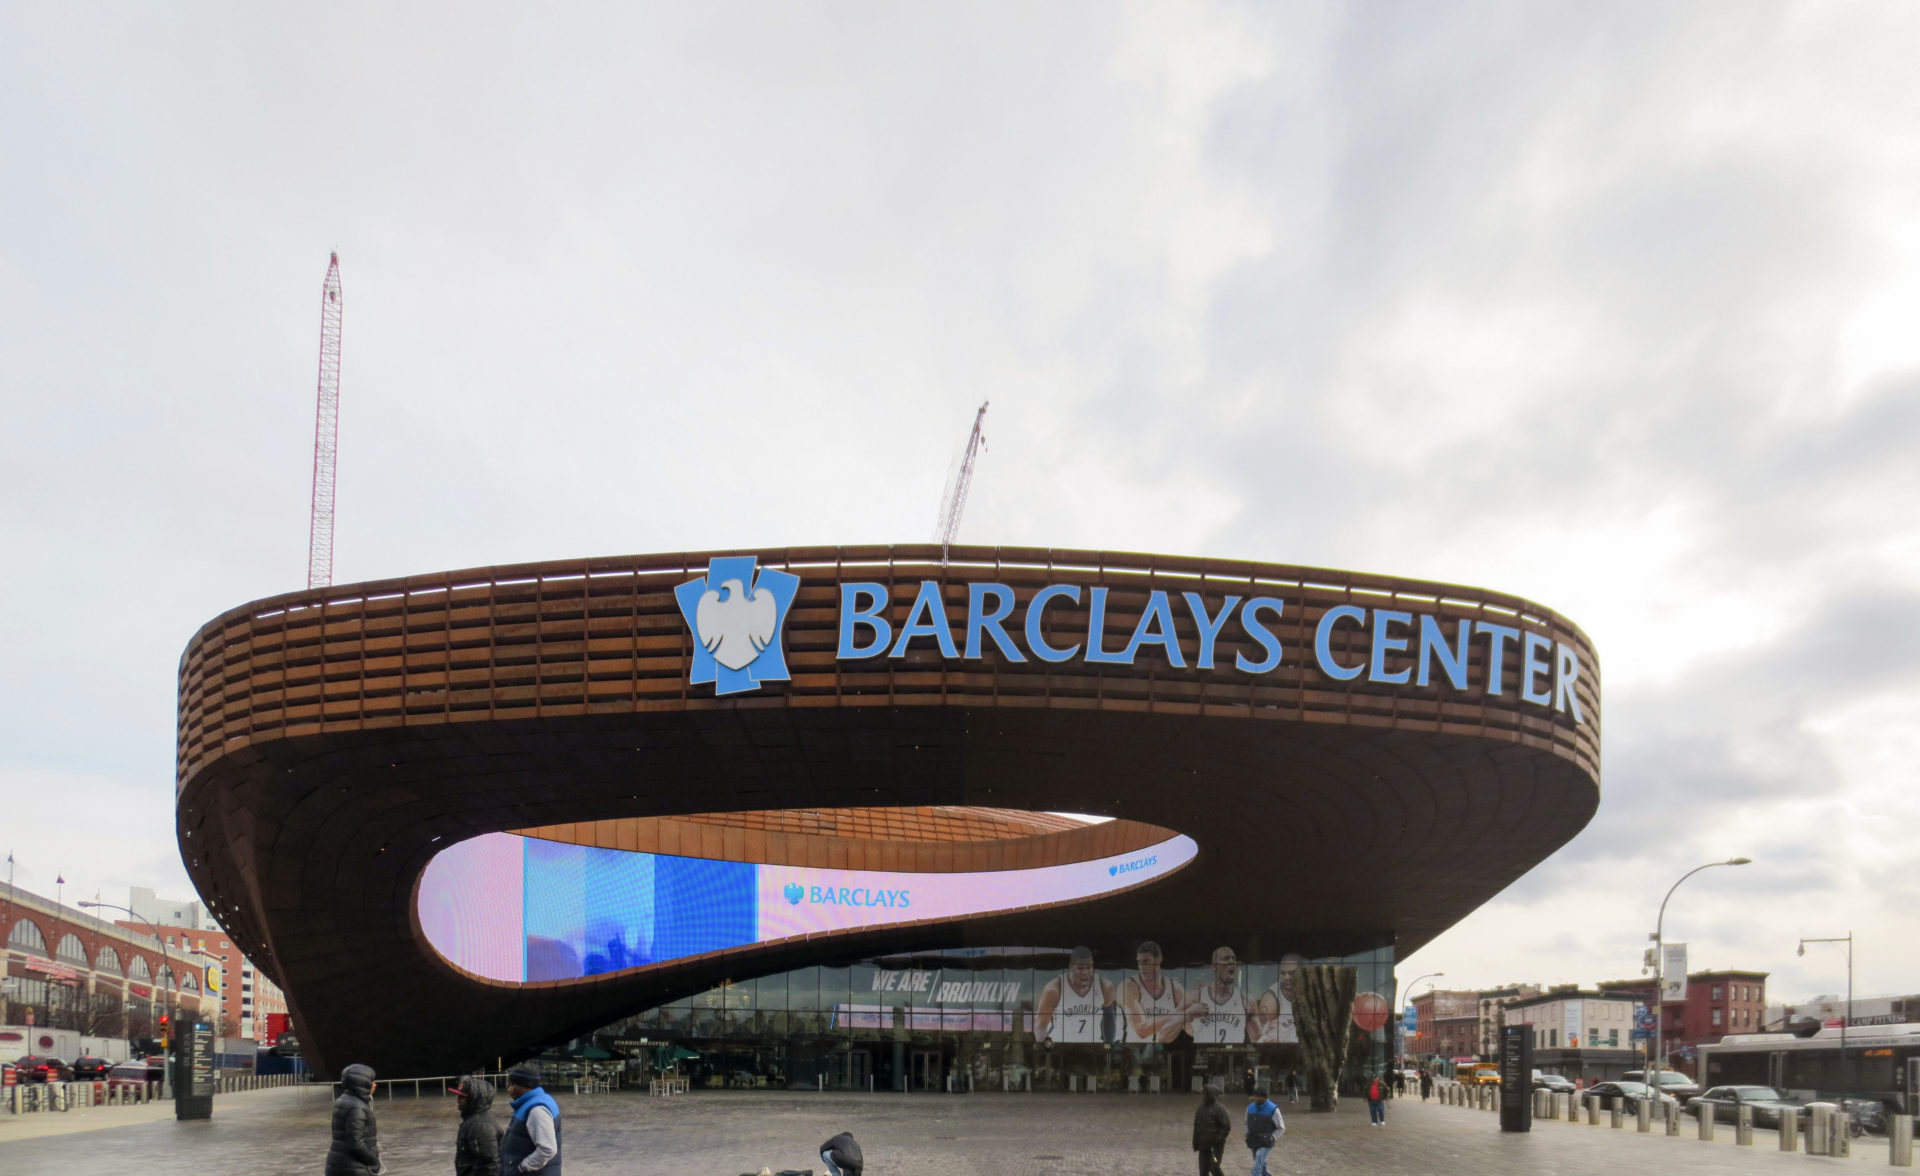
26 936
224 945
1718 1016
107 961
137 970
72 950
1553 1038
1613 1038
1716 992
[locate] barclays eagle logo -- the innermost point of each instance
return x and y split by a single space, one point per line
794 892
736 618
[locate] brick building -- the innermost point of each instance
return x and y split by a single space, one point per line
1445 1024
64 969
1717 1003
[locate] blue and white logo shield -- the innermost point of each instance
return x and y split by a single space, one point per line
736 612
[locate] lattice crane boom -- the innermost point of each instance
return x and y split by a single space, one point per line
954 504
326 433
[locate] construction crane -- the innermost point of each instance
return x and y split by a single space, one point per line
326 433
955 500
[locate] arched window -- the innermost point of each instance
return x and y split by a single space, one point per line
26 936
137 970
188 983
72 950
107 961
165 979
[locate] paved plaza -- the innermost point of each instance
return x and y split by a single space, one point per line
271 1133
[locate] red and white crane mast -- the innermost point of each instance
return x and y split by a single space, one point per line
326 433
955 501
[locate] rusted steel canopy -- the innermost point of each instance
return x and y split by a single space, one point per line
332 741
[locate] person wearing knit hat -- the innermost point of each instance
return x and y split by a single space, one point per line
532 1140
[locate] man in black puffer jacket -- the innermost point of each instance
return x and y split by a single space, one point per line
355 1150
476 1150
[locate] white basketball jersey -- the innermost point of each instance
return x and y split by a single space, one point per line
1077 1016
1224 1021
1280 1030
1151 1006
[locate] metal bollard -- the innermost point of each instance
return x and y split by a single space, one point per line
1900 1140
1593 1109
1670 1114
1539 1105
1573 1107
1818 1128
1789 1131
1839 1138
1743 1125
1643 1116
1614 1109
1707 1116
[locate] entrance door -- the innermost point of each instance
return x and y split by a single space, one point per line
1913 1086
853 1069
1777 1070
925 1073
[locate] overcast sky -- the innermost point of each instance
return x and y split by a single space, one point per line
1612 306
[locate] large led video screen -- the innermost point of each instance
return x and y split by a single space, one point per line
523 910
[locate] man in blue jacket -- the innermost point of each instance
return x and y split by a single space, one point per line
532 1140
1264 1129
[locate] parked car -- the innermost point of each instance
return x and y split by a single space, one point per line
1553 1082
1633 1092
138 1072
1671 1082
1769 1105
90 1069
39 1069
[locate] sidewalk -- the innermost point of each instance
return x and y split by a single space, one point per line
284 1133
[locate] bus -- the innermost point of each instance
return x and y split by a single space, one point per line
1879 1061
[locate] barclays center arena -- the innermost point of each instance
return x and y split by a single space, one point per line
794 816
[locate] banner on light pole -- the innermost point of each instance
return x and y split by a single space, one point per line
1673 971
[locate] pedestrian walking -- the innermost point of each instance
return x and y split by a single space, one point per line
355 1146
1264 1129
476 1147
1293 1085
1377 1101
1426 1084
842 1156
532 1139
1399 1083
1211 1130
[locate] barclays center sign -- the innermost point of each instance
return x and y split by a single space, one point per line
737 612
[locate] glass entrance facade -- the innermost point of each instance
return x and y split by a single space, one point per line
1007 1019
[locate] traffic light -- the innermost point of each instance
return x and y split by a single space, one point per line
166 1029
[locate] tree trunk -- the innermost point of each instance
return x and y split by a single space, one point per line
1323 1006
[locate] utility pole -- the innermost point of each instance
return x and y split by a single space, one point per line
326 433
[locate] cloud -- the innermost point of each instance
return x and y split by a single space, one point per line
1599 305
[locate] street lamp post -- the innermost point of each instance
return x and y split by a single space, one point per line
1418 979
1846 1065
1660 975
166 1001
